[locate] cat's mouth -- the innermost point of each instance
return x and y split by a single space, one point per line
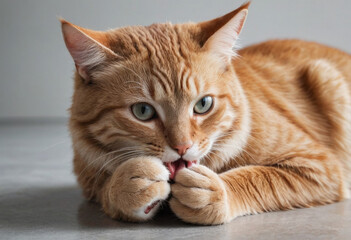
175 166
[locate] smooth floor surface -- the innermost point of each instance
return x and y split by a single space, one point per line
39 199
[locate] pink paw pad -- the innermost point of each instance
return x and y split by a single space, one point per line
151 206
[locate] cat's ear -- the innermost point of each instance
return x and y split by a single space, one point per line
88 48
219 35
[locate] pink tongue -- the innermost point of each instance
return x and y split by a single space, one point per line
174 167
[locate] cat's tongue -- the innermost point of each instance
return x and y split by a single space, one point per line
175 166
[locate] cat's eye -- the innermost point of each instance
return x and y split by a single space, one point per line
143 111
204 105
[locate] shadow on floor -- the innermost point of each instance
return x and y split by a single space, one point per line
43 210
65 208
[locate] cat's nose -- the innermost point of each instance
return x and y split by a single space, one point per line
182 148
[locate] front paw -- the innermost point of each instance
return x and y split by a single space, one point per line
137 189
199 196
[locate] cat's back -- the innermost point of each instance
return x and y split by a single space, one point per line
281 66
294 54
286 48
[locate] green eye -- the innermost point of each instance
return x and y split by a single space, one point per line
143 111
204 105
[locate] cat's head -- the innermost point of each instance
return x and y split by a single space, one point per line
163 90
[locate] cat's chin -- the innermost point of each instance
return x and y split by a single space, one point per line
177 165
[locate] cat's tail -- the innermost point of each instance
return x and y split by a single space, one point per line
332 93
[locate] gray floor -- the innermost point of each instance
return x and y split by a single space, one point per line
39 199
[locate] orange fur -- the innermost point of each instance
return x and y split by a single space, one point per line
276 138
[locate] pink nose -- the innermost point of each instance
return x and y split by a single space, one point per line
182 148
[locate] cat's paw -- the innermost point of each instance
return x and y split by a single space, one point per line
199 196
137 189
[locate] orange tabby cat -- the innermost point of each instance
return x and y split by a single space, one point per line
171 111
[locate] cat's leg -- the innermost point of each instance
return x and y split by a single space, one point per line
201 196
136 189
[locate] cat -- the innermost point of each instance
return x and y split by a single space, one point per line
171 113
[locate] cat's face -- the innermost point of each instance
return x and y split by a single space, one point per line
162 90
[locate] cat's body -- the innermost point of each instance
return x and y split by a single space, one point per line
283 81
276 136
305 86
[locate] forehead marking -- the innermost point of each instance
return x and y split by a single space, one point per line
159 43
153 71
153 47
163 82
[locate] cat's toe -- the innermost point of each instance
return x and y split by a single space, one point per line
193 197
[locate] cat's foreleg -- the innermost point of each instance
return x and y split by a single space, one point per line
136 189
201 196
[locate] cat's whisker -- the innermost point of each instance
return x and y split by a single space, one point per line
221 143
121 158
212 152
97 175
53 146
105 155
249 154
218 146
135 82
132 71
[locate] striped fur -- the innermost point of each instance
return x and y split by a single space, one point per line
277 137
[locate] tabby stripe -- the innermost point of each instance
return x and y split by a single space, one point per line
229 98
147 47
183 70
162 81
114 135
213 118
282 175
184 79
153 52
165 78
157 54
302 172
278 103
155 47
267 176
175 42
135 42
97 116
254 191
152 90
181 53
101 131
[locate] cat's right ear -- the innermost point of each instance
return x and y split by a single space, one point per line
88 48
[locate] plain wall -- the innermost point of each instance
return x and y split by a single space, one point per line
36 69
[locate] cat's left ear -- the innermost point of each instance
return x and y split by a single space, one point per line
219 35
